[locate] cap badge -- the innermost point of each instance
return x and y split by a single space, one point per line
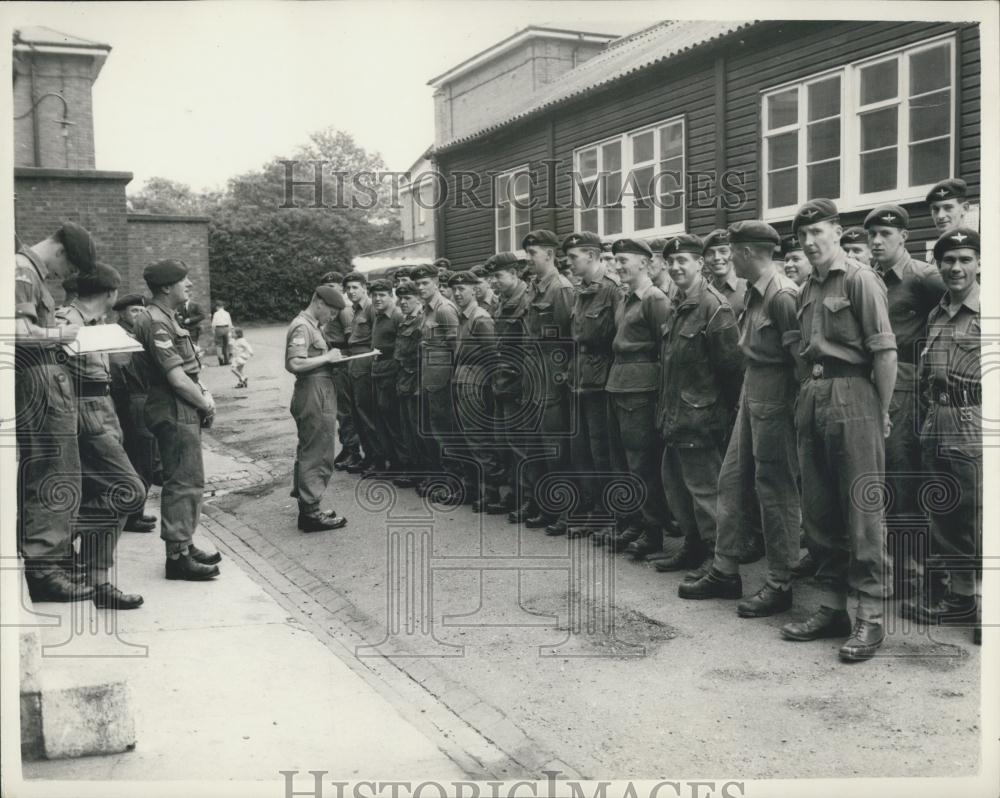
809 213
959 237
941 192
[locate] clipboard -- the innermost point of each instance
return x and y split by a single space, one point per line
102 338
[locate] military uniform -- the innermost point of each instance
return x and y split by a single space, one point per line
733 290
410 446
362 385
336 331
384 375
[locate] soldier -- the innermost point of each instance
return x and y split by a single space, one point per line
401 276
842 420
952 435
548 356
314 407
761 452
658 269
608 257
104 466
191 316
510 326
475 355
359 372
385 369
409 446
486 297
718 257
177 406
444 284
913 290
632 384
336 331
854 242
49 460
593 330
699 385
797 265
129 386
438 337
948 203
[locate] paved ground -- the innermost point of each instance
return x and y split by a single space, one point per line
676 689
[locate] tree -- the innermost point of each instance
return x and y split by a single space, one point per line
162 195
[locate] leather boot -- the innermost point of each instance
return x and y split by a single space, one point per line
319 521
557 528
107 596
522 513
55 585
825 622
950 609
204 557
188 568
140 523
765 602
690 555
647 543
864 641
713 584
622 540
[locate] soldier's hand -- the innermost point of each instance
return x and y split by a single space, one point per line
210 402
886 424
68 333
333 355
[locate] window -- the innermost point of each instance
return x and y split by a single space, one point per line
513 209
875 131
633 183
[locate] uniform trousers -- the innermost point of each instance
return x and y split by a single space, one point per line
635 448
314 408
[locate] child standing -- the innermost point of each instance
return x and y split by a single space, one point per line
241 352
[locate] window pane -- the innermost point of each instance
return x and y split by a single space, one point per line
642 147
612 155
588 221
671 141
929 161
642 180
782 188
503 215
644 218
644 212
503 239
521 187
824 179
519 233
782 151
824 98
588 194
672 211
611 195
783 109
879 82
612 221
930 116
930 69
587 163
669 186
502 182
879 129
824 141
878 171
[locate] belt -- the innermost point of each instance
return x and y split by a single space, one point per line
831 369
92 388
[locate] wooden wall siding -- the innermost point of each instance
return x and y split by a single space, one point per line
770 55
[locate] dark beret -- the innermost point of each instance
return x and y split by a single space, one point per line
402 271
816 210
889 216
354 277
128 301
952 188
102 278
790 244
657 245
421 271
444 275
503 260
332 278
717 238
379 285
606 246
442 263
540 238
80 248
753 231
632 245
685 242
406 289
854 235
584 239
480 272
164 272
463 278
330 295
956 238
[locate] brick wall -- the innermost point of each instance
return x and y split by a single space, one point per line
72 76
45 198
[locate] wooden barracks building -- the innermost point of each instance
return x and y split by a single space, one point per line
721 121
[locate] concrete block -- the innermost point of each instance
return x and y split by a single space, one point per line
32 744
31 658
81 716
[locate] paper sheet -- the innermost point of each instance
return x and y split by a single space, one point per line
102 338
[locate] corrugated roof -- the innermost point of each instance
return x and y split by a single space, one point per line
42 35
621 58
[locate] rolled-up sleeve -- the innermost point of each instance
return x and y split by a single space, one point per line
869 298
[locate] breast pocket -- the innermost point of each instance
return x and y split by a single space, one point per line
542 318
964 365
839 324
764 335
688 344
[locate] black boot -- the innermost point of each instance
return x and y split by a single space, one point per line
188 568
765 602
690 555
319 521
56 585
107 596
714 584
825 622
204 557
866 637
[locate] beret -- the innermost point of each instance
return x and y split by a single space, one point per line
444 275
606 246
633 245
421 271
128 301
379 285
164 272
354 277
790 244
479 271
442 263
952 188
854 235
331 296
406 289
816 210
503 260
889 216
79 246
752 231
657 245
402 271
956 238
584 239
69 285
685 242
463 278
717 238
102 278
332 277
540 238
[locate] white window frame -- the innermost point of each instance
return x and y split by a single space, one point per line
851 198
511 245
627 166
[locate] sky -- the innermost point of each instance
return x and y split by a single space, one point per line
199 92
